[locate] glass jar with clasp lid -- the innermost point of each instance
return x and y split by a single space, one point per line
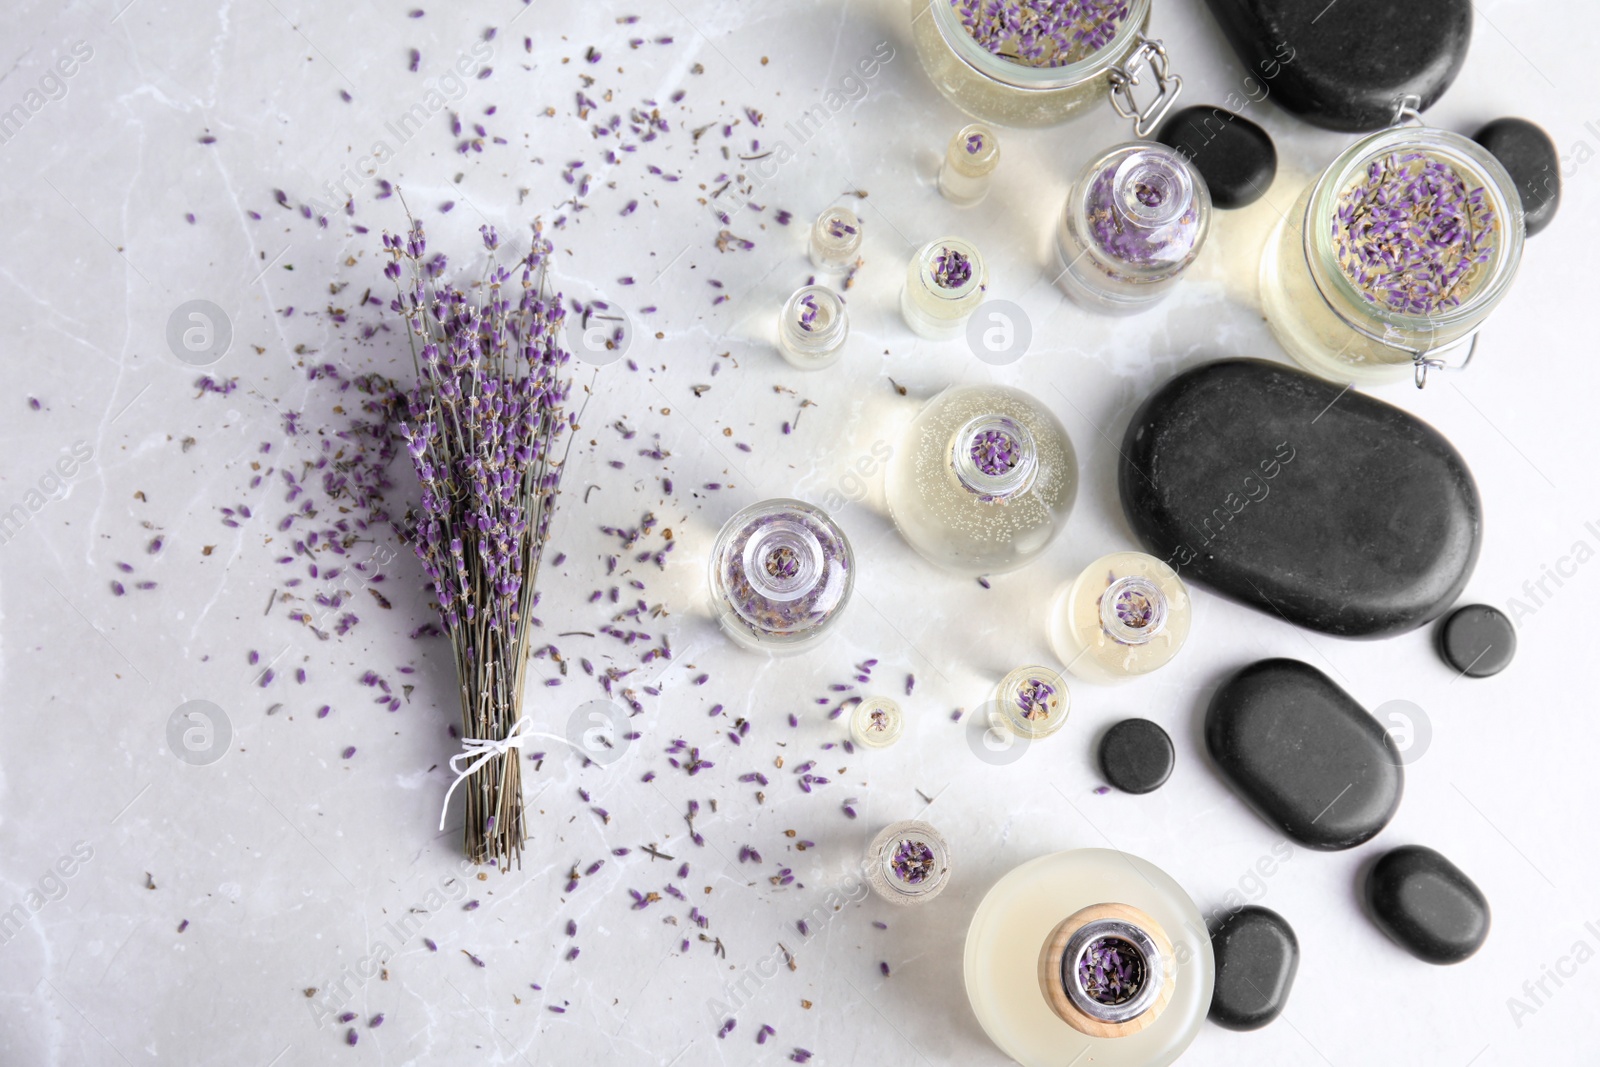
1390 262
1042 62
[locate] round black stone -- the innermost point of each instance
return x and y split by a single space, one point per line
1477 640
1233 154
1136 756
1528 153
1257 956
1427 905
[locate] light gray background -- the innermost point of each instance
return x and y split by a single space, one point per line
287 860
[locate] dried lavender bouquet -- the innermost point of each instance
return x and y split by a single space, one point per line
482 426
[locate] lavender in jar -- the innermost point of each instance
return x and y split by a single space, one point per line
1135 219
781 575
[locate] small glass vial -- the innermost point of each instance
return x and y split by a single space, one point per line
908 863
812 328
985 480
781 575
945 283
1390 262
1134 220
1045 934
1033 702
969 161
1125 615
876 722
836 239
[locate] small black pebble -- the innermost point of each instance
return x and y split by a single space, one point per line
1233 154
1427 905
1257 956
1528 153
1136 756
1477 640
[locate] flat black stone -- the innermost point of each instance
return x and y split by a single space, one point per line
1234 155
1528 153
1345 65
1477 640
1257 956
1316 504
1424 902
1304 754
1136 756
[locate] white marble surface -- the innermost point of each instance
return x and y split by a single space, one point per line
286 860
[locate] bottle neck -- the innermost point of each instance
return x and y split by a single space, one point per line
994 457
1112 970
783 561
1133 610
1150 190
814 320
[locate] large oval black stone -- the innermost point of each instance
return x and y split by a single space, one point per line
1345 65
1427 905
1304 754
1321 506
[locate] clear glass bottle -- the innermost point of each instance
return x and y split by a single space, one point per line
1021 956
993 88
1323 293
945 282
876 722
908 863
1134 220
969 161
835 239
812 328
1125 615
1033 702
781 575
984 481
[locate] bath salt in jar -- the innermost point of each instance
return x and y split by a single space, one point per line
1042 62
1390 262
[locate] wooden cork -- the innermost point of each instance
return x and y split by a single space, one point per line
1051 982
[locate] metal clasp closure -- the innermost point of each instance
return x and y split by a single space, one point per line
1424 363
1125 77
1407 111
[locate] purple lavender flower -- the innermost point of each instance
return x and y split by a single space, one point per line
994 452
912 862
1034 697
483 427
1042 33
1411 237
951 269
1111 970
808 312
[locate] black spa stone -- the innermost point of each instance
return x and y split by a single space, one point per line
1345 65
1528 153
1233 154
1477 640
1304 754
1136 756
1427 905
1318 505
1257 956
